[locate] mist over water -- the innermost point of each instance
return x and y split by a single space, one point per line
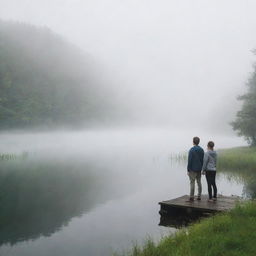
137 141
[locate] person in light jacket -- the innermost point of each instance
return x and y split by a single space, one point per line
209 169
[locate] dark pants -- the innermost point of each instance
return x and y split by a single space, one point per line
210 177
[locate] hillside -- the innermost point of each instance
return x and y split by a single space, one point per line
46 81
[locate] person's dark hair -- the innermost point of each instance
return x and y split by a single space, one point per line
196 140
210 144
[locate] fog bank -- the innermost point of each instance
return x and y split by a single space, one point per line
171 63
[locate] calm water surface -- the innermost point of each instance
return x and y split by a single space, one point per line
94 192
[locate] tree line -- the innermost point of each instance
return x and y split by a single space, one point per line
46 81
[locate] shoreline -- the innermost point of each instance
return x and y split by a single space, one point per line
229 234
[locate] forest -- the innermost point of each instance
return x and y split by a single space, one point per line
46 81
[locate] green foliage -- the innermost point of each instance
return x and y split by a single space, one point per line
229 234
245 123
44 80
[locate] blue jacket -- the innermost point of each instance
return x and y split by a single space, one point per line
195 159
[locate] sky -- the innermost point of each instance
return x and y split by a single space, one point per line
173 62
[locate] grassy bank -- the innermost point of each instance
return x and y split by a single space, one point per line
241 159
229 234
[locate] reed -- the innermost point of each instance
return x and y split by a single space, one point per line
11 157
181 157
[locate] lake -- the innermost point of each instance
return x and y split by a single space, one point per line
93 192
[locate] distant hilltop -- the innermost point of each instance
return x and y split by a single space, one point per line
46 81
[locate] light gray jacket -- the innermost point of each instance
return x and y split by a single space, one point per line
210 160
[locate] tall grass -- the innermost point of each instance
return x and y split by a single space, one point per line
234 159
237 159
12 156
229 234
181 157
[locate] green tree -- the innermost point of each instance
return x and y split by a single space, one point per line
245 122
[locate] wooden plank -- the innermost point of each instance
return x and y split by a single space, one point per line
223 203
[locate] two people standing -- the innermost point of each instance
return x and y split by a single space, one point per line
200 162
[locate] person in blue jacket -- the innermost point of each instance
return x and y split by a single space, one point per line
195 164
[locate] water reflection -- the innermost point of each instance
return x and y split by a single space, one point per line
38 198
181 220
245 177
180 217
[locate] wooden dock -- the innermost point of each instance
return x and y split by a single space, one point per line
223 203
